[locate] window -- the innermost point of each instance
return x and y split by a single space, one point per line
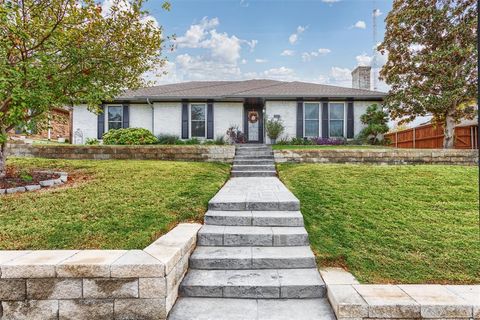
336 117
198 118
312 119
115 117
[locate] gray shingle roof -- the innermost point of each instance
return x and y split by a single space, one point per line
260 88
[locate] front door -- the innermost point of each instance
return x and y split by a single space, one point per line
253 123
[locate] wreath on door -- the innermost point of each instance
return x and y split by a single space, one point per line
252 116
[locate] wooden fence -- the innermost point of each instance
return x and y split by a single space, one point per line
431 137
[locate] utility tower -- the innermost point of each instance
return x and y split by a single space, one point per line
374 46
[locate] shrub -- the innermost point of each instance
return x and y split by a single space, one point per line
274 128
376 121
328 141
129 136
235 135
169 139
192 141
92 142
218 141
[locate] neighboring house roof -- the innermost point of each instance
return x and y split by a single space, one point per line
247 89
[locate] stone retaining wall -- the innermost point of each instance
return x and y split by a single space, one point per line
353 301
378 156
96 284
155 152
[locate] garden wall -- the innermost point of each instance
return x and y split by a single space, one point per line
378 156
96 284
154 152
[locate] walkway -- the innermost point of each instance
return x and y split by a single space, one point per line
253 260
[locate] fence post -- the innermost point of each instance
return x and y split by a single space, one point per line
414 134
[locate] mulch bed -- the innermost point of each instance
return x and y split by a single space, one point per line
20 178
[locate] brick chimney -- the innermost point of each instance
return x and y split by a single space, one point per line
361 78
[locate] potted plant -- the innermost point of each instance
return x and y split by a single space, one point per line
275 128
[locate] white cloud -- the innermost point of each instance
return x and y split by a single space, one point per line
287 53
261 60
197 33
244 61
124 5
360 24
252 44
199 68
294 36
377 13
307 56
337 77
282 73
330 1
364 60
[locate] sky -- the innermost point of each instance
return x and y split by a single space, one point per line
319 41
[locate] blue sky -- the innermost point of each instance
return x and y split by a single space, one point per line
314 41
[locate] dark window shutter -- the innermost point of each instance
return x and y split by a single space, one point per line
350 120
325 133
210 120
184 120
101 122
299 118
126 116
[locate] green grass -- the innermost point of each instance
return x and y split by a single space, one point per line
298 147
111 204
392 224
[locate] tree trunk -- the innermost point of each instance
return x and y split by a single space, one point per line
3 171
449 133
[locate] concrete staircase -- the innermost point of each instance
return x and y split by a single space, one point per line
253 161
253 259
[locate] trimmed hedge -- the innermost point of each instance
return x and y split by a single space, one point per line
129 136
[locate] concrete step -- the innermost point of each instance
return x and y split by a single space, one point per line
253 167
253 157
253 162
228 258
254 218
187 308
245 236
257 284
255 173
253 153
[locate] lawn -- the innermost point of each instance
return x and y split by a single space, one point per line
118 204
391 224
298 147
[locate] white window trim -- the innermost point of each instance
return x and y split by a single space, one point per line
107 127
190 119
319 119
344 119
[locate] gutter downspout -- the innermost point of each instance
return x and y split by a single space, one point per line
153 115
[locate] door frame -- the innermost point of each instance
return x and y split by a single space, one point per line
253 106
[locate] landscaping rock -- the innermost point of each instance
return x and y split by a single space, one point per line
110 288
33 187
12 289
47 183
15 190
145 309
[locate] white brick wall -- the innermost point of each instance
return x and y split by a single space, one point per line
288 114
225 115
84 120
168 118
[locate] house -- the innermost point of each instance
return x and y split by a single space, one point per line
205 110
58 127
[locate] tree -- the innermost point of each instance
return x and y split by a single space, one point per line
376 121
432 61
64 52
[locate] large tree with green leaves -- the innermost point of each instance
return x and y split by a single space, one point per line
63 52
432 61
